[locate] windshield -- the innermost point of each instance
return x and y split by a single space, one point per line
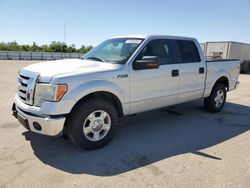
116 50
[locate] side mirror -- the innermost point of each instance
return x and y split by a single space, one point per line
147 62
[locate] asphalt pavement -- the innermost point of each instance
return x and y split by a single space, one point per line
184 146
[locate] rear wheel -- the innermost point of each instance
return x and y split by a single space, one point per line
217 98
92 124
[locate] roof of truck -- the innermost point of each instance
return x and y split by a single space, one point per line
141 36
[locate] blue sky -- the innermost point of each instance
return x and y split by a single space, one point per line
91 21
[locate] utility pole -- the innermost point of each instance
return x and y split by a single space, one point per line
65 32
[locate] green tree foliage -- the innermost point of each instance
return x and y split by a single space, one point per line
34 47
84 49
54 46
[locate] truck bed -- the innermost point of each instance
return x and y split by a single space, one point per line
218 68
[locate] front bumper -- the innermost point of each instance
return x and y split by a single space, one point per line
236 85
47 125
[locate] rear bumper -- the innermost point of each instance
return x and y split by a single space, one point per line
46 125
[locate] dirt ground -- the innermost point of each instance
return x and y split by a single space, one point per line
153 149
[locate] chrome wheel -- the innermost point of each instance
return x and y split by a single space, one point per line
219 99
97 125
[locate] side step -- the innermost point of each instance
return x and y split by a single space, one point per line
173 110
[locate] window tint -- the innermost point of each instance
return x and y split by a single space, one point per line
188 51
159 48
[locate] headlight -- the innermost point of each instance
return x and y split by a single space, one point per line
49 92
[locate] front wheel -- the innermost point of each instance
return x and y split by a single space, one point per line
92 124
216 100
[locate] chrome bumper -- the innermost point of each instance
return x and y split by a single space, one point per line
52 126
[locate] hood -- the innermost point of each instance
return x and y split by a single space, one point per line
49 69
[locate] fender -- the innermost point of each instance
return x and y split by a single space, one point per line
99 85
212 78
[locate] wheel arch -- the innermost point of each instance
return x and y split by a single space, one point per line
106 95
211 82
222 80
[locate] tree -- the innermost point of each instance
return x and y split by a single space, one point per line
54 46
82 49
3 46
44 48
13 46
34 47
71 48
88 48
26 48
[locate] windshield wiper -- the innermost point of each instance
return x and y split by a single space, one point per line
96 59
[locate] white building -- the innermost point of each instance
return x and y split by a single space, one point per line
229 50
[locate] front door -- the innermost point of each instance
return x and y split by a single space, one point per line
155 88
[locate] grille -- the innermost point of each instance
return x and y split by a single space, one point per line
26 85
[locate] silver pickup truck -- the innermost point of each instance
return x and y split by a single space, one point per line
83 98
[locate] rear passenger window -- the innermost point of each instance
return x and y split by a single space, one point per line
188 51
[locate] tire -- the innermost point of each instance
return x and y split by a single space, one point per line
215 102
92 124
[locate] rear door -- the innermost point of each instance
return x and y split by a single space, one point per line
192 71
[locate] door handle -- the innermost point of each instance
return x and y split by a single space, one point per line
201 70
175 73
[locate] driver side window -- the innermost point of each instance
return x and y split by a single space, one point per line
159 48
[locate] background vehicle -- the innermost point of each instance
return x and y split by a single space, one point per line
123 75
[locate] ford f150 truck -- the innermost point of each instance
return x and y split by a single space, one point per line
83 98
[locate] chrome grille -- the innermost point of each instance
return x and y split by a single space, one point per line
26 86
